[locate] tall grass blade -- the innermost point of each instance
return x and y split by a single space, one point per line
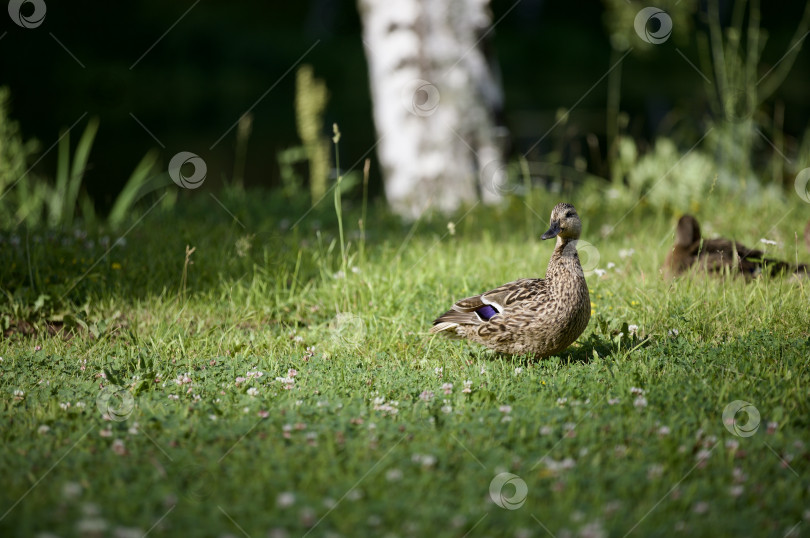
62 174
133 189
80 159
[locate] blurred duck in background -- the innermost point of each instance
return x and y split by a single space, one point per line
724 256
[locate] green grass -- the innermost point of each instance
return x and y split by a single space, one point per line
353 448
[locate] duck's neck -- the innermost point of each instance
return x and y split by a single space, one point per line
564 264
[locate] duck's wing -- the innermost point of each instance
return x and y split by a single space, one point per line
502 296
481 308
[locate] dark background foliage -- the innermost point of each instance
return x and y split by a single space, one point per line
189 83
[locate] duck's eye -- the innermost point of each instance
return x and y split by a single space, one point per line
569 214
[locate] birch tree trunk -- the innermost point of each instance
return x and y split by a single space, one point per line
435 99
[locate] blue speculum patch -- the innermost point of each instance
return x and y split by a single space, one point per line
486 312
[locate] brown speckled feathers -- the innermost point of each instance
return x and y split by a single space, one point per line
532 315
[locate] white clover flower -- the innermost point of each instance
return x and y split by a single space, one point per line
703 454
393 475
118 447
285 500
626 252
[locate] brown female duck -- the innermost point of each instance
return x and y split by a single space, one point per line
719 255
538 316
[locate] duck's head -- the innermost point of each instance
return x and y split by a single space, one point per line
564 223
688 231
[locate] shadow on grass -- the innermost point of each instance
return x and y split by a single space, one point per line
604 347
582 353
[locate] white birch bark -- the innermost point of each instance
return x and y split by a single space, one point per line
434 98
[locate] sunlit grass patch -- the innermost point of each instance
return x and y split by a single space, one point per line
271 391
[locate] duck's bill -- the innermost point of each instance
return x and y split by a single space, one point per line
552 232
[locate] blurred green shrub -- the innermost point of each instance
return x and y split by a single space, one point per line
26 198
14 155
311 97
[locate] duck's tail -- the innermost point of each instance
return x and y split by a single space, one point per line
443 326
452 319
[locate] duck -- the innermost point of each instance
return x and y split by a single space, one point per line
530 316
719 255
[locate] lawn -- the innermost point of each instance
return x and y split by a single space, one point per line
262 384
